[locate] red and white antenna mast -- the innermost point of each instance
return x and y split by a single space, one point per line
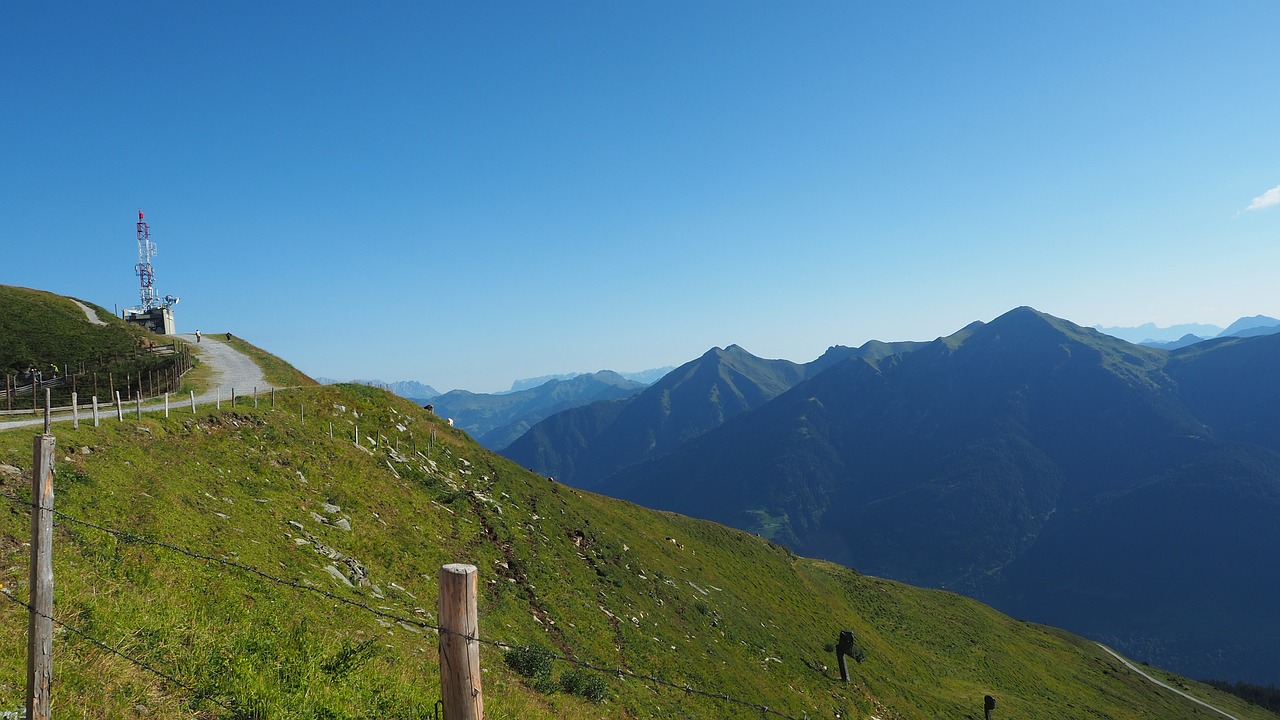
146 275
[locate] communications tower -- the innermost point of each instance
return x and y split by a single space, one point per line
146 275
152 313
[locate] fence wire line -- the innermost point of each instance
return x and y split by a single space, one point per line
198 694
617 672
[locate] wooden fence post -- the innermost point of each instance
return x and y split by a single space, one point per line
355 435
330 429
273 398
255 396
119 408
233 397
166 404
139 403
304 414
40 623
75 410
193 402
459 646
95 411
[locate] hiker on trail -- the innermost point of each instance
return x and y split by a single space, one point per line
197 336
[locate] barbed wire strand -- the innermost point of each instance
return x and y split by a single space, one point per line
617 672
198 694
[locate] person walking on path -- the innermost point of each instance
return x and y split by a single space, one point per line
197 336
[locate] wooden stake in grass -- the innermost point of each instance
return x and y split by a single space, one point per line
193 401
459 647
95 411
75 411
40 623
119 408
166 404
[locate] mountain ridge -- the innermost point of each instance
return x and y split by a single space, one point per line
943 466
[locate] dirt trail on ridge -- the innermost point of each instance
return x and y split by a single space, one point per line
232 371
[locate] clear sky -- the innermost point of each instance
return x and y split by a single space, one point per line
469 193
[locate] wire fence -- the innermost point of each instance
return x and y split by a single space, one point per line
764 710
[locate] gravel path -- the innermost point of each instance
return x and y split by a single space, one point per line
1135 668
232 370
88 312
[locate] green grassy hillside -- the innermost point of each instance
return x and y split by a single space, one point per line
580 575
50 333
259 563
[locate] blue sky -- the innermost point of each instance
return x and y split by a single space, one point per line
465 194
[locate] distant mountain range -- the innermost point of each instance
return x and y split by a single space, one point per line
1177 336
411 389
585 444
496 420
645 377
1061 474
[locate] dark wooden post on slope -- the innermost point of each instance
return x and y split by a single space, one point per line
459 649
40 623
847 647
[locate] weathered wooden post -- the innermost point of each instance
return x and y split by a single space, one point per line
193 401
847 647
330 429
304 413
255 396
273 398
459 647
355 435
75 410
119 408
218 404
233 397
139 402
40 622
166 404
95 411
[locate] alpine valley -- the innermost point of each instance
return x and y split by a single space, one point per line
1062 475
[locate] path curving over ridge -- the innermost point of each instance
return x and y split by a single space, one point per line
1136 669
232 370
88 312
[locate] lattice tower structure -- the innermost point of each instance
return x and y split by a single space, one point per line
146 275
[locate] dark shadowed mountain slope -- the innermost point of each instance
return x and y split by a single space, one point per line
1027 437
496 420
583 445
